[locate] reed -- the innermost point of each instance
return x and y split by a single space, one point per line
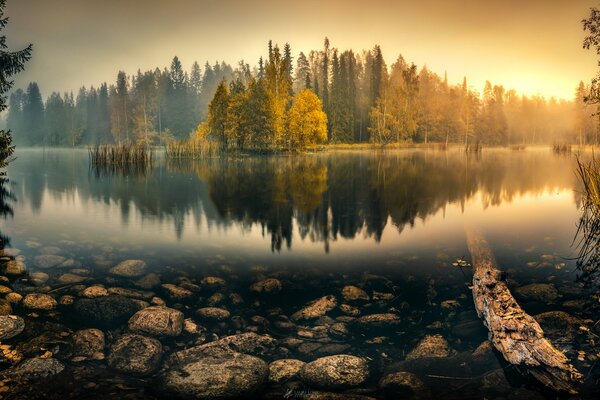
105 156
191 149
561 148
588 229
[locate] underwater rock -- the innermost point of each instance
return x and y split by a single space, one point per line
39 278
88 342
129 268
14 298
39 301
5 307
93 292
132 293
283 370
353 293
148 282
335 372
432 346
349 310
212 282
403 385
68 278
315 309
213 373
15 268
378 320
177 293
157 321
135 354
48 261
542 292
11 326
558 325
247 343
270 285
107 310
213 313
34 369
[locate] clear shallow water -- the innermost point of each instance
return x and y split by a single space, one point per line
389 223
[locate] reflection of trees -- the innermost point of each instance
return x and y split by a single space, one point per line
5 208
327 196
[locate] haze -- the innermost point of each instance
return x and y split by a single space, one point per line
534 46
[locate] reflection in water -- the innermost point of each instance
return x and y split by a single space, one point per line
5 208
327 196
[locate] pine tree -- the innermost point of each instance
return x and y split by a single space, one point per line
217 115
56 120
33 115
11 63
302 79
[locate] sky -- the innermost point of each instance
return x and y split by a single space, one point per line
533 46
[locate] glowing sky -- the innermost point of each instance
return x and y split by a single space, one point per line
533 46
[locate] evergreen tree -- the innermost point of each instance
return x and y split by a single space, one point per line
33 115
217 115
11 63
56 120
302 79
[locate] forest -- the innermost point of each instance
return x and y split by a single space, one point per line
324 96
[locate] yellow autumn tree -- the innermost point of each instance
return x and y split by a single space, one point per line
306 121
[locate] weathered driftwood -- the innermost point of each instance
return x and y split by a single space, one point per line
513 332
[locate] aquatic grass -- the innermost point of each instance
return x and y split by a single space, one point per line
588 229
120 155
561 148
191 149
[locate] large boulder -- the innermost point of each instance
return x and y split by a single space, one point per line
135 354
335 372
157 321
212 373
403 385
271 285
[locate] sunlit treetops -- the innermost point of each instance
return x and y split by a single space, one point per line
251 107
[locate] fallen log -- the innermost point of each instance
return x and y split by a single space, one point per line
513 332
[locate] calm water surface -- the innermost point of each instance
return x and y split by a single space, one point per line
391 223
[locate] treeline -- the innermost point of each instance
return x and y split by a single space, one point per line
324 96
149 107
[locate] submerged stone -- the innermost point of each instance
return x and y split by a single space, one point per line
177 293
35 368
107 310
11 326
213 313
213 373
39 301
542 292
129 268
403 385
432 346
353 293
335 372
270 285
15 267
157 321
284 370
135 354
315 309
88 342
48 261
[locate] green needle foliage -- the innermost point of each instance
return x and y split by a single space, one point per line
11 63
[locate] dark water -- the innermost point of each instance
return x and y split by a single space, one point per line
389 223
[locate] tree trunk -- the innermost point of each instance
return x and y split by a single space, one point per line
513 332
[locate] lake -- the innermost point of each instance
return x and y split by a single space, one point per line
389 223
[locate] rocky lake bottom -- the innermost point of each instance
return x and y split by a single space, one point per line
85 330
